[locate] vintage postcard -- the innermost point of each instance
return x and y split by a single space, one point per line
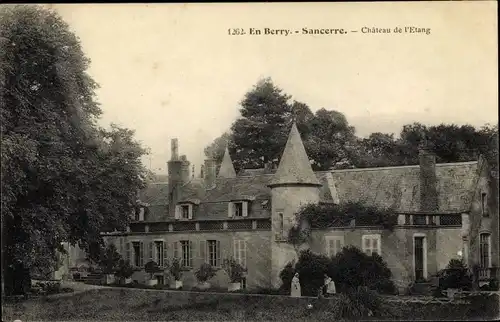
250 161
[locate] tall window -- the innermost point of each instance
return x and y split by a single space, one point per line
371 244
281 225
186 255
484 204
334 245
484 250
138 254
240 252
238 209
213 252
159 252
185 211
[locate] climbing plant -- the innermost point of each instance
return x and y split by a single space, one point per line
340 215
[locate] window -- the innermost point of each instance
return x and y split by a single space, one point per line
138 254
419 220
240 252
281 225
238 209
334 245
139 214
484 205
186 254
184 212
213 253
243 283
371 244
121 249
159 253
484 250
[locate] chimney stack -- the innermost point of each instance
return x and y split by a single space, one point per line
174 150
428 181
185 169
209 173
175 178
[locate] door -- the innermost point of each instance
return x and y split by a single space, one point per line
419 258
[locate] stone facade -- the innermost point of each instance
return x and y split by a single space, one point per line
247 215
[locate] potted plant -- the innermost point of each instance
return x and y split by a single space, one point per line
235 272
203 274
151 267
176 272
125 272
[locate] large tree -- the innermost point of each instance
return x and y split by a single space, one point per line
260 134
63 178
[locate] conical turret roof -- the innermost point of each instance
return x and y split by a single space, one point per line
294 167
226 168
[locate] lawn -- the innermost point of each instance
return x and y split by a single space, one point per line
144 305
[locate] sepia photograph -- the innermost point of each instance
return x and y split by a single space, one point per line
250 161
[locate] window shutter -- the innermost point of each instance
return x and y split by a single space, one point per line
244 256
175 250
141 254
177 212
245 208
151 251
190 213
218 254
165 254
230 209
190 264
203 252
127 253
141 214
235 251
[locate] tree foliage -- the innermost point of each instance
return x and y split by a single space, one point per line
260 134
63 177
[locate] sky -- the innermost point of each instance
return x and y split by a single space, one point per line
173 71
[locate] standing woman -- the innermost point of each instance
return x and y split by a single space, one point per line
295 287
330 286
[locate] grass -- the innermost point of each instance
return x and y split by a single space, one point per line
144 305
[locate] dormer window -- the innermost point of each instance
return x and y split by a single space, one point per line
184 211
238 209
138 214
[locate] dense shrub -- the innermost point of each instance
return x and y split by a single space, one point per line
109 260
205 272
352 268
311 268
455 275
286 276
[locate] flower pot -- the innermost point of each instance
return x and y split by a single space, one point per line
203 285
234 287
109 278
152 282
451 292
176 285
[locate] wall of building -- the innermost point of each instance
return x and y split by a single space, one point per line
258 255
397 247
286 200
484 224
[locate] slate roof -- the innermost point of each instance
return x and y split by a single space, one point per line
226 168
399 187
396 187
294 165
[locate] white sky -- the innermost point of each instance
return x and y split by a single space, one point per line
172 70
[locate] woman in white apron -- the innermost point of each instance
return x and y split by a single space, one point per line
329 285
295 287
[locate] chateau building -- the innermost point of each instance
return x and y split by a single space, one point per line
444 211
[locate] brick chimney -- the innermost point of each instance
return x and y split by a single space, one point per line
174 177
185 169
428 181
209 170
